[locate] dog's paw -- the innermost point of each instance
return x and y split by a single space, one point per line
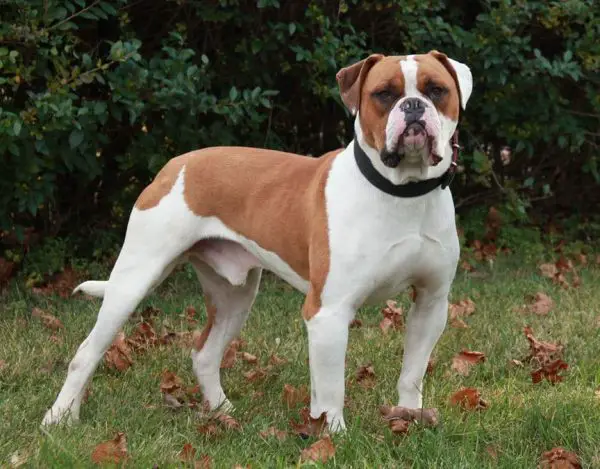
56 416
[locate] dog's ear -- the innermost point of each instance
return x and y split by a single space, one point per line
350 80
461 74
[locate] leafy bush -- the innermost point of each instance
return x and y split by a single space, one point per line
97 94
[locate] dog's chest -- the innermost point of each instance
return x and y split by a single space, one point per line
381 244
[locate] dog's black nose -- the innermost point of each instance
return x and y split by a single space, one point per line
413 109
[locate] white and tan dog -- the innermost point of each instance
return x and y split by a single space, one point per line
355 226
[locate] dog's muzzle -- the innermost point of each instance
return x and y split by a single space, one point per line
414 142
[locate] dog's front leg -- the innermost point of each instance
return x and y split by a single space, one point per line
327 342
426 322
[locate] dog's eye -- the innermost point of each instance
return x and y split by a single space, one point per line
385 96
436 92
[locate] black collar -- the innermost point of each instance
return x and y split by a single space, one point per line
410 189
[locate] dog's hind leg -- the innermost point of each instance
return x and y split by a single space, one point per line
147 256
227 307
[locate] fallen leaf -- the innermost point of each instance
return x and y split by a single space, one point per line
582 258
256 375
273 432
230 355
461 309
51 322
430 366
399 426
392 317
209 429
2 364
463 361
111 451
309 426
188 453
249 358
355 323
18 459
559 458
467 266
540 352
492 452
61 283
275 360
428 417
468 399
365 375
514 362
319 451
118 355
541 304
549 371
191 315
293 396
143 337
227 421
170 382
458 323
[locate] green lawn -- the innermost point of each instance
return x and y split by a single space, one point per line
522 421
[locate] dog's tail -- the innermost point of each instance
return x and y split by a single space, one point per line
91 287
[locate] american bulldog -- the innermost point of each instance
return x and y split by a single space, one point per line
354 226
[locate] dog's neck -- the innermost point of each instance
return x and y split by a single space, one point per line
405 172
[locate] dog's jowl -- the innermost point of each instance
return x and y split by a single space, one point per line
355 226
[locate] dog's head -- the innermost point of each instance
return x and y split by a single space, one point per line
407 107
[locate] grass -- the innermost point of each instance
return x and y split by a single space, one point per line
523 419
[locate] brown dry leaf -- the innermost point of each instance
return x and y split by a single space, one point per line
273 432
540 352
541 304
399 426
2 364
581 258
61 284
188 453
227 421
467 266
319 451
118 355
309 426
51 322
355 323
143 337
230 355
171 401
191 315
365 375
430 366
170 382
492 452
275 360
549 371
209 429
428 417
517 363
461 309
293 396
256 375
463 361
111 451
468 399
559 458
392 317
458 323
249 358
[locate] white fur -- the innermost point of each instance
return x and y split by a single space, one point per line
465 81
379 245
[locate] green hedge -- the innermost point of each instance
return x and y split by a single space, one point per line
96 95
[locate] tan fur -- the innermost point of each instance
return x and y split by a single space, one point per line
435 66
273 198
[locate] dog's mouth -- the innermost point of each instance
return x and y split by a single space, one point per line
415 145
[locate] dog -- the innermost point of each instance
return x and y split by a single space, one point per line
355 226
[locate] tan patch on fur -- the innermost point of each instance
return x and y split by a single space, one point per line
386 74
199 338
273 198
435 67
160 186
